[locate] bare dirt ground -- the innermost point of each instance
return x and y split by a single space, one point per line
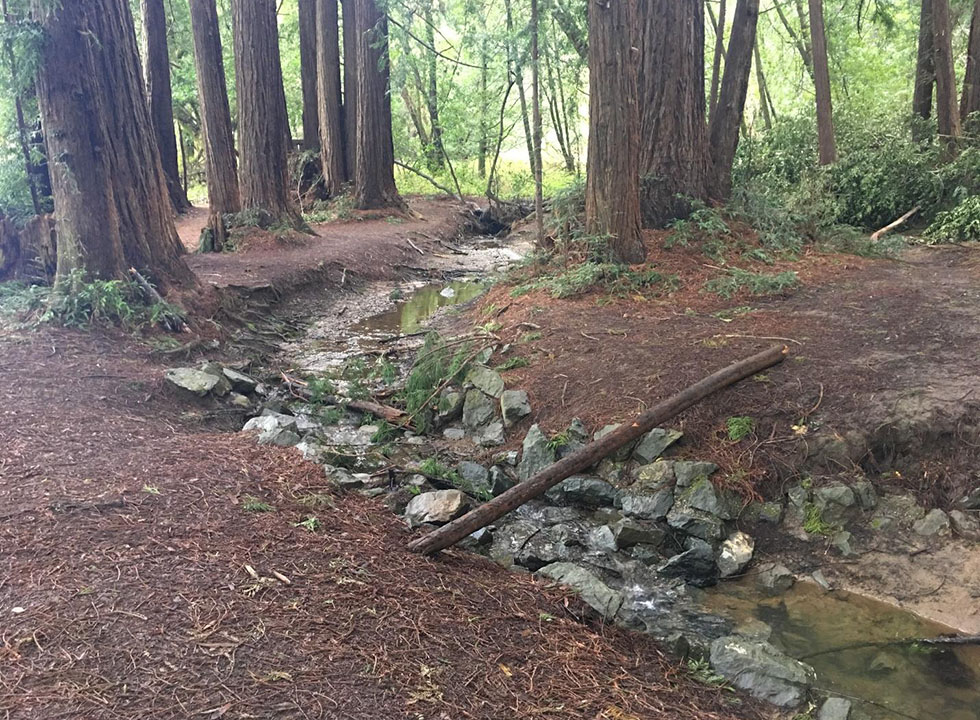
125 589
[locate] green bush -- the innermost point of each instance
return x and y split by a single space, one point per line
961 224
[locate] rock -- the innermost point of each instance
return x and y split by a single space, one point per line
648 507
478 409
577 437
798 497
261 424
654 476
630 532
602 539
500 481
835 708
584 491
528 544
735 554
695 522
486 380
439 507
610 470
754 629
775 579
506 458
280 438
703 495
687 471
450 406
965 525
971 501
595 593
475 477
883 664
865 493
514 405
345 479
936 522
820 579
223 386
306 424
761 670
622 453
770 512
239 400
696 564
196 381
896 510
454 434
240 381
652 445
536 455
490 436
833 501
842 541
646 554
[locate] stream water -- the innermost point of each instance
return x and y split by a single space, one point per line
409 314
894 680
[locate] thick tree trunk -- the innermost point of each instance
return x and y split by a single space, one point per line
673 133
718 55
925 67
947 109
262 125
821 82
725 123
612 193
350 86
160 98
212 92
970 103
331 108
374 178
308 23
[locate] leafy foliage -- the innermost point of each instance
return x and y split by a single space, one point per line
739 427
961 224
755 283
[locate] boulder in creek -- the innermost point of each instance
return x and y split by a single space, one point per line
595 593
735 554
761 670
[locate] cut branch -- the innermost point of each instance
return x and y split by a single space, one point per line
878 234
591 454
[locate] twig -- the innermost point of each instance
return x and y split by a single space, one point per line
419 250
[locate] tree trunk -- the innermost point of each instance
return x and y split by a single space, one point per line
331 111
719 53
925 67
219 142
484 123
674 158
308 24
971 80
760 78
350 87
517 71
569 25
374 178
947 110
160 98
800 39
612 193
536 120
262 130
438 151
821 81
725 123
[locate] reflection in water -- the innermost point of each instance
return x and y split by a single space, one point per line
903 680
408 316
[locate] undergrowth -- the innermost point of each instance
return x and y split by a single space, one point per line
436 364
737 279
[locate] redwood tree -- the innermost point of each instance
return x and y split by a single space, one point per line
159 96
331 112
925 68
673 133
612 191
947 110
970 102
725 122
262 126
350 86
374 174
821 82
308 72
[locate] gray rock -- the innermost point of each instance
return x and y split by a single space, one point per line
630 532
761 670
652 445
500 481
703 495
896 511
223 387
528 544
240 381
653 506
833 501
596 594
474 476
820 579
584 491
536 455
239 400
602 539
842 541
696 565
438 507
280 438
454 434
835 708
196 381
610 470
450 406
775 579
490 436
771 512
865 493
509 457
345 479
282 420
735 554
687 471
622 453
754 629
654 476
478 409
261 424
971 501
695 522
486 380
936 522
965 525
514 405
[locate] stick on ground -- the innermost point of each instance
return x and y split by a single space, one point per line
482 516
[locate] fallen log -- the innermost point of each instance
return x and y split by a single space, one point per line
300 389
504 503
878 234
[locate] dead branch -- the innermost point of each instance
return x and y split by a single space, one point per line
429 178
878 234
171 321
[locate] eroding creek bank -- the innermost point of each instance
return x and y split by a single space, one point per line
646 538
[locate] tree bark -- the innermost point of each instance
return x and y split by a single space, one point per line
719 54
221 163
262 124
350 87
970 102
947 110
331 109
536 122
821 81
374 178
612 193
308 54
725 123
925 67
674 158
438 150
484 123
160 98
589 455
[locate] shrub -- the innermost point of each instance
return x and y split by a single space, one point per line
961 224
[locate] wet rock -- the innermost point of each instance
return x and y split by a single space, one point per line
735 554
500 481
514 405
610 470
936 522
883 664
754 629
820 579
775 579
474 476
454 434
528 544
438 507
602 539
196 381
588 586
478 409
835 708
240 381
584 491
965 525
833 501
652 445
486 380
761 670
628 533
536 455
865 493
695 522
490 436
646 554
653 506
687 471
696 565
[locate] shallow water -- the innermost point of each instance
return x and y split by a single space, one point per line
896 681
419 305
